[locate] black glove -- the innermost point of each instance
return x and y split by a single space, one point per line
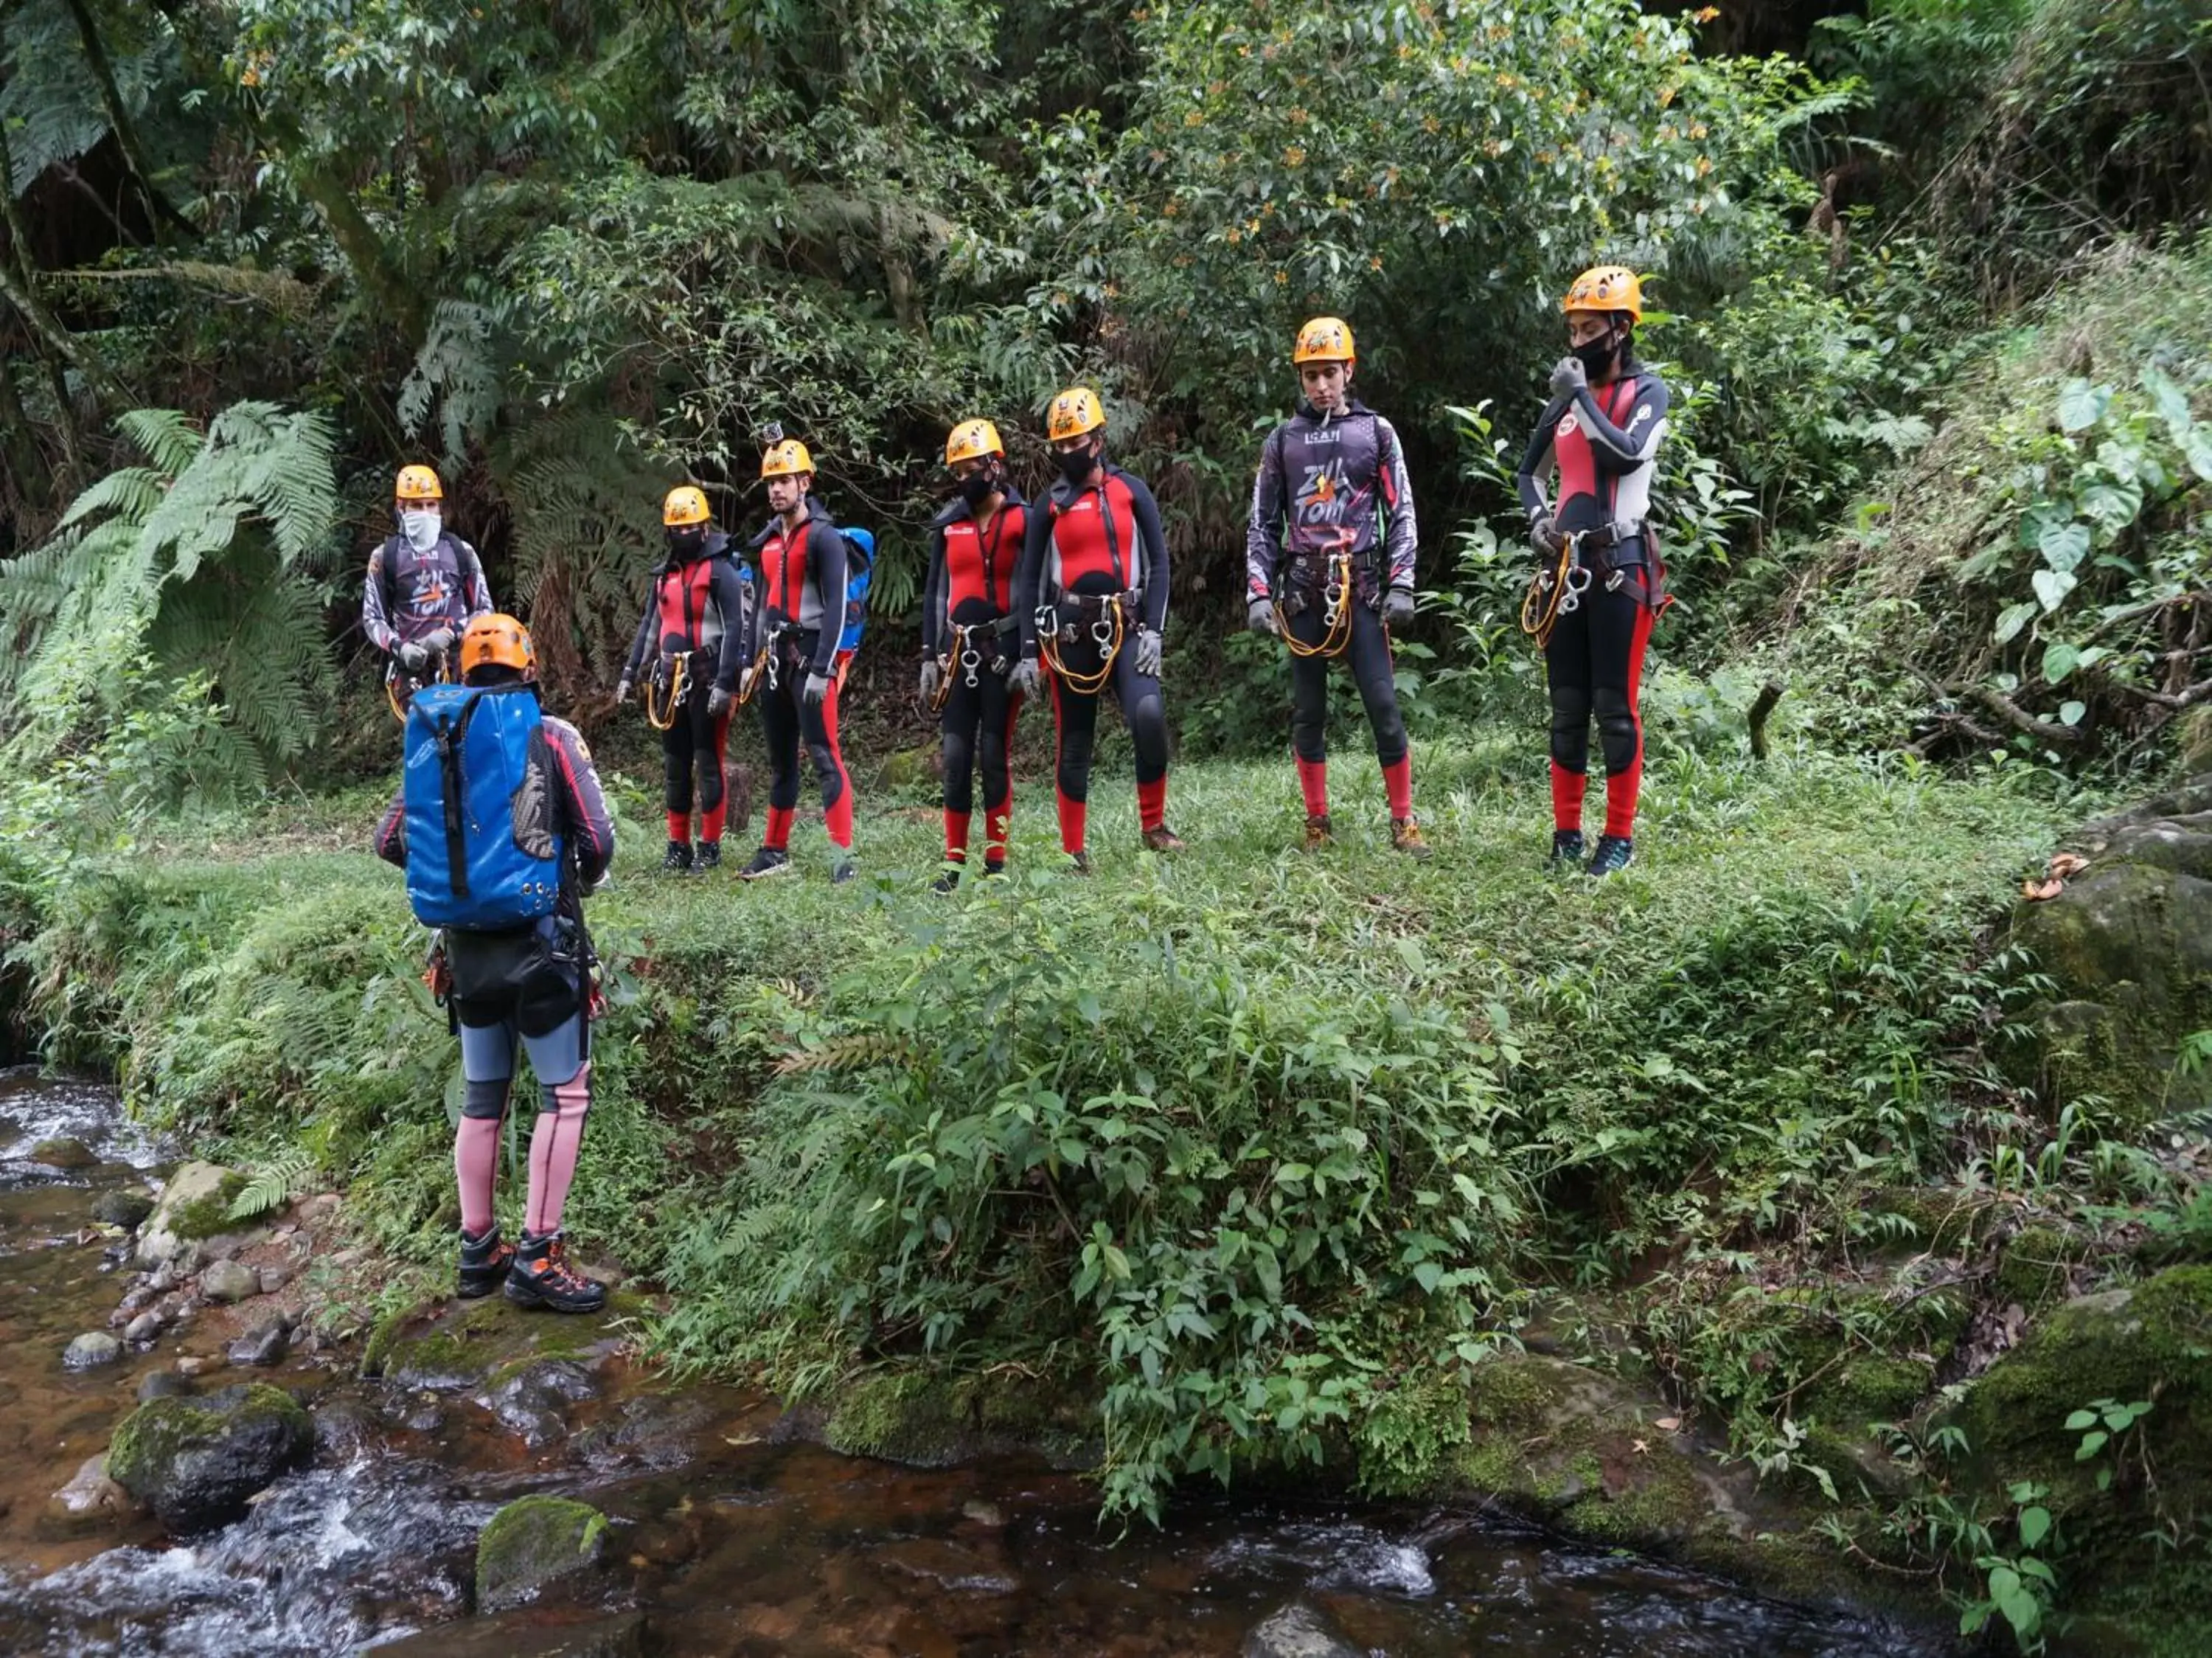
1397 608
1569 376
1259 616
1544 535
717 700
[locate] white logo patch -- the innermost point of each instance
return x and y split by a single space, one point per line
1568 425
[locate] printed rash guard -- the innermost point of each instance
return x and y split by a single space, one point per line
1326 483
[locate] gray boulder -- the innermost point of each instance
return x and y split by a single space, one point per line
195 1462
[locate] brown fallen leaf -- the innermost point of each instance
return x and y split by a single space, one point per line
1668 1424
2064 864
2039 890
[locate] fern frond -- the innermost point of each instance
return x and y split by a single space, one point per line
845 1053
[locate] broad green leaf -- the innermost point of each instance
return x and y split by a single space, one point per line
2070 712
2034 1526
2051 586
2197 448
2111 506
2059 660
2015 617
2082 406
2065 543
2170 400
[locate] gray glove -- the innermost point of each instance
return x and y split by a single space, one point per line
818 689
1027 678
623 688
717 700
438 641
1260 615
1148 652
1397 608
414 656
933 675
1544 535
1569 376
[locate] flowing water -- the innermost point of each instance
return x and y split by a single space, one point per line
729 1537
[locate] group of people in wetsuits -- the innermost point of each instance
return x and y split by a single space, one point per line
1066 596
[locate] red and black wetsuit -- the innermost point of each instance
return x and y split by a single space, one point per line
802 603
1101 543
1604 442
1326 484
701 607
970 586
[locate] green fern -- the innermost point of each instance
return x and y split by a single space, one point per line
271 1186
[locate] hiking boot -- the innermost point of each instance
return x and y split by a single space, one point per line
994 868
769 860
1319 831
948 878
485 1264
1567 848
1161 838
543 1277
1079 863
843 870
1614 853
677 859
1406 837
709 857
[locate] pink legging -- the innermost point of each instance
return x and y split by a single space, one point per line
554 1145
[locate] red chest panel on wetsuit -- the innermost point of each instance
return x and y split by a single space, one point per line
978 563
783 563
1096 537
1577 461
682 595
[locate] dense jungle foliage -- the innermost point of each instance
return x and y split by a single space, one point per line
1265 1160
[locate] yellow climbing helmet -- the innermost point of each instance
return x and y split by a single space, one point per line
497 638
1325 339
786 459
417 484
1074 412
1606 288
971 439
686 505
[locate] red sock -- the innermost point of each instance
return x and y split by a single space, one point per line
679 826
1313 784
956 836
1072 815
1567 799
778 836
994 829
1398 783
710 823
1153 802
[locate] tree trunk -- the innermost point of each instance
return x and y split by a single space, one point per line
119 117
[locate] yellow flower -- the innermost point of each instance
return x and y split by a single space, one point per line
1430 123
1251 227
1282 278
1298 118
1704 166
1666 96
1294 157
1234 235
1706 14
1375 262
1699 130
1196 118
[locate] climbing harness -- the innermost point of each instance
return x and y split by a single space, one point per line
393 673
1554 591
1337 599
1107 631
674 673
763 669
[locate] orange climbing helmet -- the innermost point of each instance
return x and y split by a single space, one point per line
971 439
1074 414
497 640
1325 339
1606 288
786 459
417 484
686 505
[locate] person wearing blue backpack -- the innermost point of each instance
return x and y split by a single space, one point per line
500 825
806 564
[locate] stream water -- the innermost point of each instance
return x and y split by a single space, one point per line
732 1539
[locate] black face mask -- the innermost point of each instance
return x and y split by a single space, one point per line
685 545
978 488
1596 356
1076 466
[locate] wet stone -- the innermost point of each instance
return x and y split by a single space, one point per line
90 1350
1298 1632
530 1404
162 1384
124 1209
228 1282
144 1327
948 1565
162 1279
265 1343
533 1542
200 1364
196 1461
273 1278
64 1155
90 1494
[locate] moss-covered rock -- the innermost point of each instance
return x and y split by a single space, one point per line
1934 1220
2151 1343
2037 1263
932 1420
195 1462
450 1347
194 1206
532 1542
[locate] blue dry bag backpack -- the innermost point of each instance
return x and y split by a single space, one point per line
860 565
482 850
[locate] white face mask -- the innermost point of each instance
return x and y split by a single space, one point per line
420 529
